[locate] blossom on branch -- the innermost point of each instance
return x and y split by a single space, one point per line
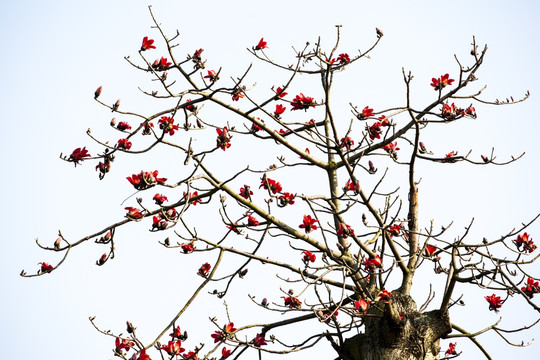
124 144
441 82
271 185
365 113
309 224
223 140
78 155
531 287
371 263
159 199
45 268
252 221
361 306
261 45
280 109
495 302
246 192
286 199
302 102
259 340
292 302
344 230
280 93
451 349
122 344
308 257
212 76
145 180
147 44
134 213
526 242
161 64
166 123
204 270
173 348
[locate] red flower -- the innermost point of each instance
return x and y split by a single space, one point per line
103 168
429 251
237 93
375 130
218 336
495 302
159 223
196 57
280 109
308 224
212 76
124 144
161 64
78 154
159 199
371 263
307 152
188 248
344 230
46 268
173 348
347 142
394 230
259 340
143 355
98 92
204 269
192 355
145 180
252 221
384 296
292 302
166 123
523 240
194 201
440 83
280 93
361 306
451 112
225 353
234 228
349 186
147 44
451 349
302 102
308 256
365 113
229 328
342 59
176 334
125 344
532 287
190 107
223 139
245 192
123 126
286 199
269 184
133 213
261 45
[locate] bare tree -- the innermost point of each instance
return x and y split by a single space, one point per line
356 240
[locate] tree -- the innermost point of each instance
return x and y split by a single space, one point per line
356 239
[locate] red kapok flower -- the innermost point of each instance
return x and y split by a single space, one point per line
526 242
159 199
347 143
259 340
261 45
365 113
252 221
342 59
46 268
212 76
225 353
280 93
161 64
124 144
302 102
531 287
361 306
308 256
143 355
495 302
286 199
204 269
124 344
166 123
218 336
372 263
451 349
229 328
375 130
394 230
349 186
344 230
147 44
269 184
309 224
134 213
391 147
159 223
451 112
192 355
429 251
188 248
223 139
234 228
292 302
192 199
173 348
384 296
145 180
280 109
123 126
176 334
197 55
440 83
78 154
245 192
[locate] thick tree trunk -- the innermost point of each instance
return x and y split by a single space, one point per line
397 331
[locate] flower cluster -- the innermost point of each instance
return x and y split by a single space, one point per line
302 102
391 149
238 93
259 340
394 230
451 349
441 82
495 302
525 241
122 126
124 144
145 180
280 93
78 155
160 222
365 113
292 302
161 64
349 186
309 224
371 263
166 123
271 185
223 140
531 287
384 296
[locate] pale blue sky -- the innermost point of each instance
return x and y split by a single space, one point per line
56 53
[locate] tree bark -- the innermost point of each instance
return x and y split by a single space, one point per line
397 331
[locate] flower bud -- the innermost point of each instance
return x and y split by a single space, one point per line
379 32
130 327
113 122
98 92
102 259
57 242
264 302
116 105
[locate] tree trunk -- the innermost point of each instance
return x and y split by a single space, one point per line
397 331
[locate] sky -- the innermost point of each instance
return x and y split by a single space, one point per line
57 53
